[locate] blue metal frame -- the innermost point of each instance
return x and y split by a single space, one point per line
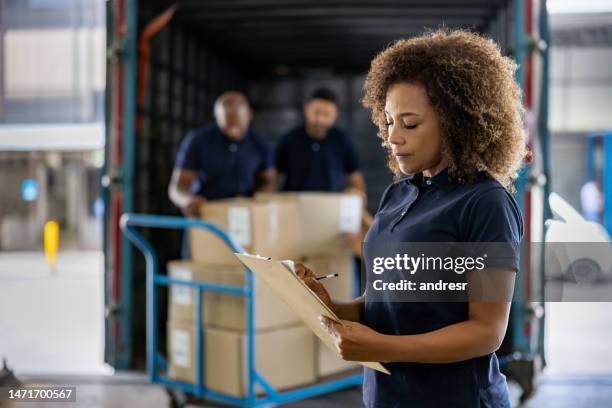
520 341
130 62
129 224
109 343
543 132
606 179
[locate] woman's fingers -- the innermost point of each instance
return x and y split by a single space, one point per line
303 272
338 332
332 327
313 284
319 290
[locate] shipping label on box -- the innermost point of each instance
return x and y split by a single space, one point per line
180 348
239 221
350 214
181 294
266 228
273 227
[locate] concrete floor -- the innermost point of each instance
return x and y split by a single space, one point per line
134 391
52 322
578 338
52 333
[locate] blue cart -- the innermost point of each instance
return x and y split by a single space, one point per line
156 363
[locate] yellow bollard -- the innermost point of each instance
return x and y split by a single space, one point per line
51 238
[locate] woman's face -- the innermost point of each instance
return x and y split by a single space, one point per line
413 129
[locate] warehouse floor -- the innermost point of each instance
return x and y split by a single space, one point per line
52 322
48 340
134 391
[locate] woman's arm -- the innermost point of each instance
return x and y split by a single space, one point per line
350 311
481 334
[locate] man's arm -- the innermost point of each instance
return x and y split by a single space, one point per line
354 177
180 192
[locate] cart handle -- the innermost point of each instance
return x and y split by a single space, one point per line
128 223
129 220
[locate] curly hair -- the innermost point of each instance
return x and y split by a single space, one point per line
471 86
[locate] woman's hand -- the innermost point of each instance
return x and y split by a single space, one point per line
354 341
310 279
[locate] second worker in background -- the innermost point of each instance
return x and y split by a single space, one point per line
317 156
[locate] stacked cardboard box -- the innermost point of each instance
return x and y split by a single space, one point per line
323 218
279 333
223 310
225 367
260 227
341 288
306 227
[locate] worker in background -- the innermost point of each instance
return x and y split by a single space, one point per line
317 156
222 160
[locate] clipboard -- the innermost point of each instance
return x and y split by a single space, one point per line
279 276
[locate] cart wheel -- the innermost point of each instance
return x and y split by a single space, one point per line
178 399
584 270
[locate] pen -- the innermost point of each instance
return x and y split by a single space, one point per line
331 275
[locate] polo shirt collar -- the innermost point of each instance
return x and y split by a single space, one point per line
440 180
226 139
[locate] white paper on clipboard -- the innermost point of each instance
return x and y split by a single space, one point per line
279 276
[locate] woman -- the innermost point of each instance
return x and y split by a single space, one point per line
449 113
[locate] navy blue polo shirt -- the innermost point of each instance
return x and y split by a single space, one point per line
225 168
311 164
420 209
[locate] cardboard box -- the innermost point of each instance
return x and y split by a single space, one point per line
224 310
324 218
342 288
267 228
284 357
329 363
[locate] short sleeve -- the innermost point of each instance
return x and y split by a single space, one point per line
351 159
188 156
281 154
494 219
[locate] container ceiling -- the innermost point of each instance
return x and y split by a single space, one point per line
344 34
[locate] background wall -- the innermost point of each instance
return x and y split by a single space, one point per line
580 100
580 88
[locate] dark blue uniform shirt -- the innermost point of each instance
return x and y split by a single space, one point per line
420 209
225 168
311 164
